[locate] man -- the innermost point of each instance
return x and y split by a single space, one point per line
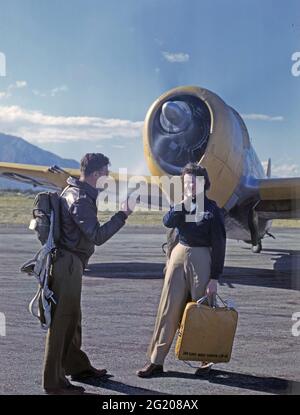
193 268
80 232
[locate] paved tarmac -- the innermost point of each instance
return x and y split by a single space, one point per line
121 291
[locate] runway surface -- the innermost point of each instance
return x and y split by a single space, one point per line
121 291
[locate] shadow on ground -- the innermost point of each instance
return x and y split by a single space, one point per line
244 381
120 387
129 270
218 377
285 273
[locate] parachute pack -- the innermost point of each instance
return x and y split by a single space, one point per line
46 203
46 224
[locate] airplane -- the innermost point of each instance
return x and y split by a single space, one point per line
193 124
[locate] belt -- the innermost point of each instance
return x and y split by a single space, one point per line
62 248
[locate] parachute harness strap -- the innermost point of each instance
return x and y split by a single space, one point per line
41 271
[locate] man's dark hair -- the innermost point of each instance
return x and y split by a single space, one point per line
196 170
93 162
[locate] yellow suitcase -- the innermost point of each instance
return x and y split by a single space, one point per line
206 333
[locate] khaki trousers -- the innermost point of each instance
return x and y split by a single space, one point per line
63 354
187 275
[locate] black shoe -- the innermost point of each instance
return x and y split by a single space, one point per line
66 390
90 373
150 370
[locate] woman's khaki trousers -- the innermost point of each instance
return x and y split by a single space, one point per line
187 275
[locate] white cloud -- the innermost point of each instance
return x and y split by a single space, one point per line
262 117
38 127
20 84
118 146
5 94
176 57
52 93
283 169
55 91
8 92
39 93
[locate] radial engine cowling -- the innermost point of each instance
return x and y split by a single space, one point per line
194 124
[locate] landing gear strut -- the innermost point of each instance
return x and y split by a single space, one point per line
253 226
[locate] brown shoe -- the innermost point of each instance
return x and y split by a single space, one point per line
203 368
90 373
150 370
66 390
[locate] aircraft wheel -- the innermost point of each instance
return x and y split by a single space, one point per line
256 249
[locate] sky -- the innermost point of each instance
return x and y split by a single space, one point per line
80 75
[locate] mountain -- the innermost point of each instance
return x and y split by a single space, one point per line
17 150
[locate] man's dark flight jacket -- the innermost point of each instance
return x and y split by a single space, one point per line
209 231
80 228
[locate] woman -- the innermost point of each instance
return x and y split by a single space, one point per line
194 266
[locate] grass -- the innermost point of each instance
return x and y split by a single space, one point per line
16 208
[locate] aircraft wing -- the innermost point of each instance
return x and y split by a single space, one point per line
279 198
37 176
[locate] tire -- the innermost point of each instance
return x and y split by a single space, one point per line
256 249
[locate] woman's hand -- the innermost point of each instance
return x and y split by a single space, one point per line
212 288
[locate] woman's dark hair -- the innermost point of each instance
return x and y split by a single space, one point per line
93 162
196 170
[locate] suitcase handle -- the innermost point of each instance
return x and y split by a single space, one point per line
202 299
205 297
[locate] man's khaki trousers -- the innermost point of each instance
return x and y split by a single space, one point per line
187 275
63 354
